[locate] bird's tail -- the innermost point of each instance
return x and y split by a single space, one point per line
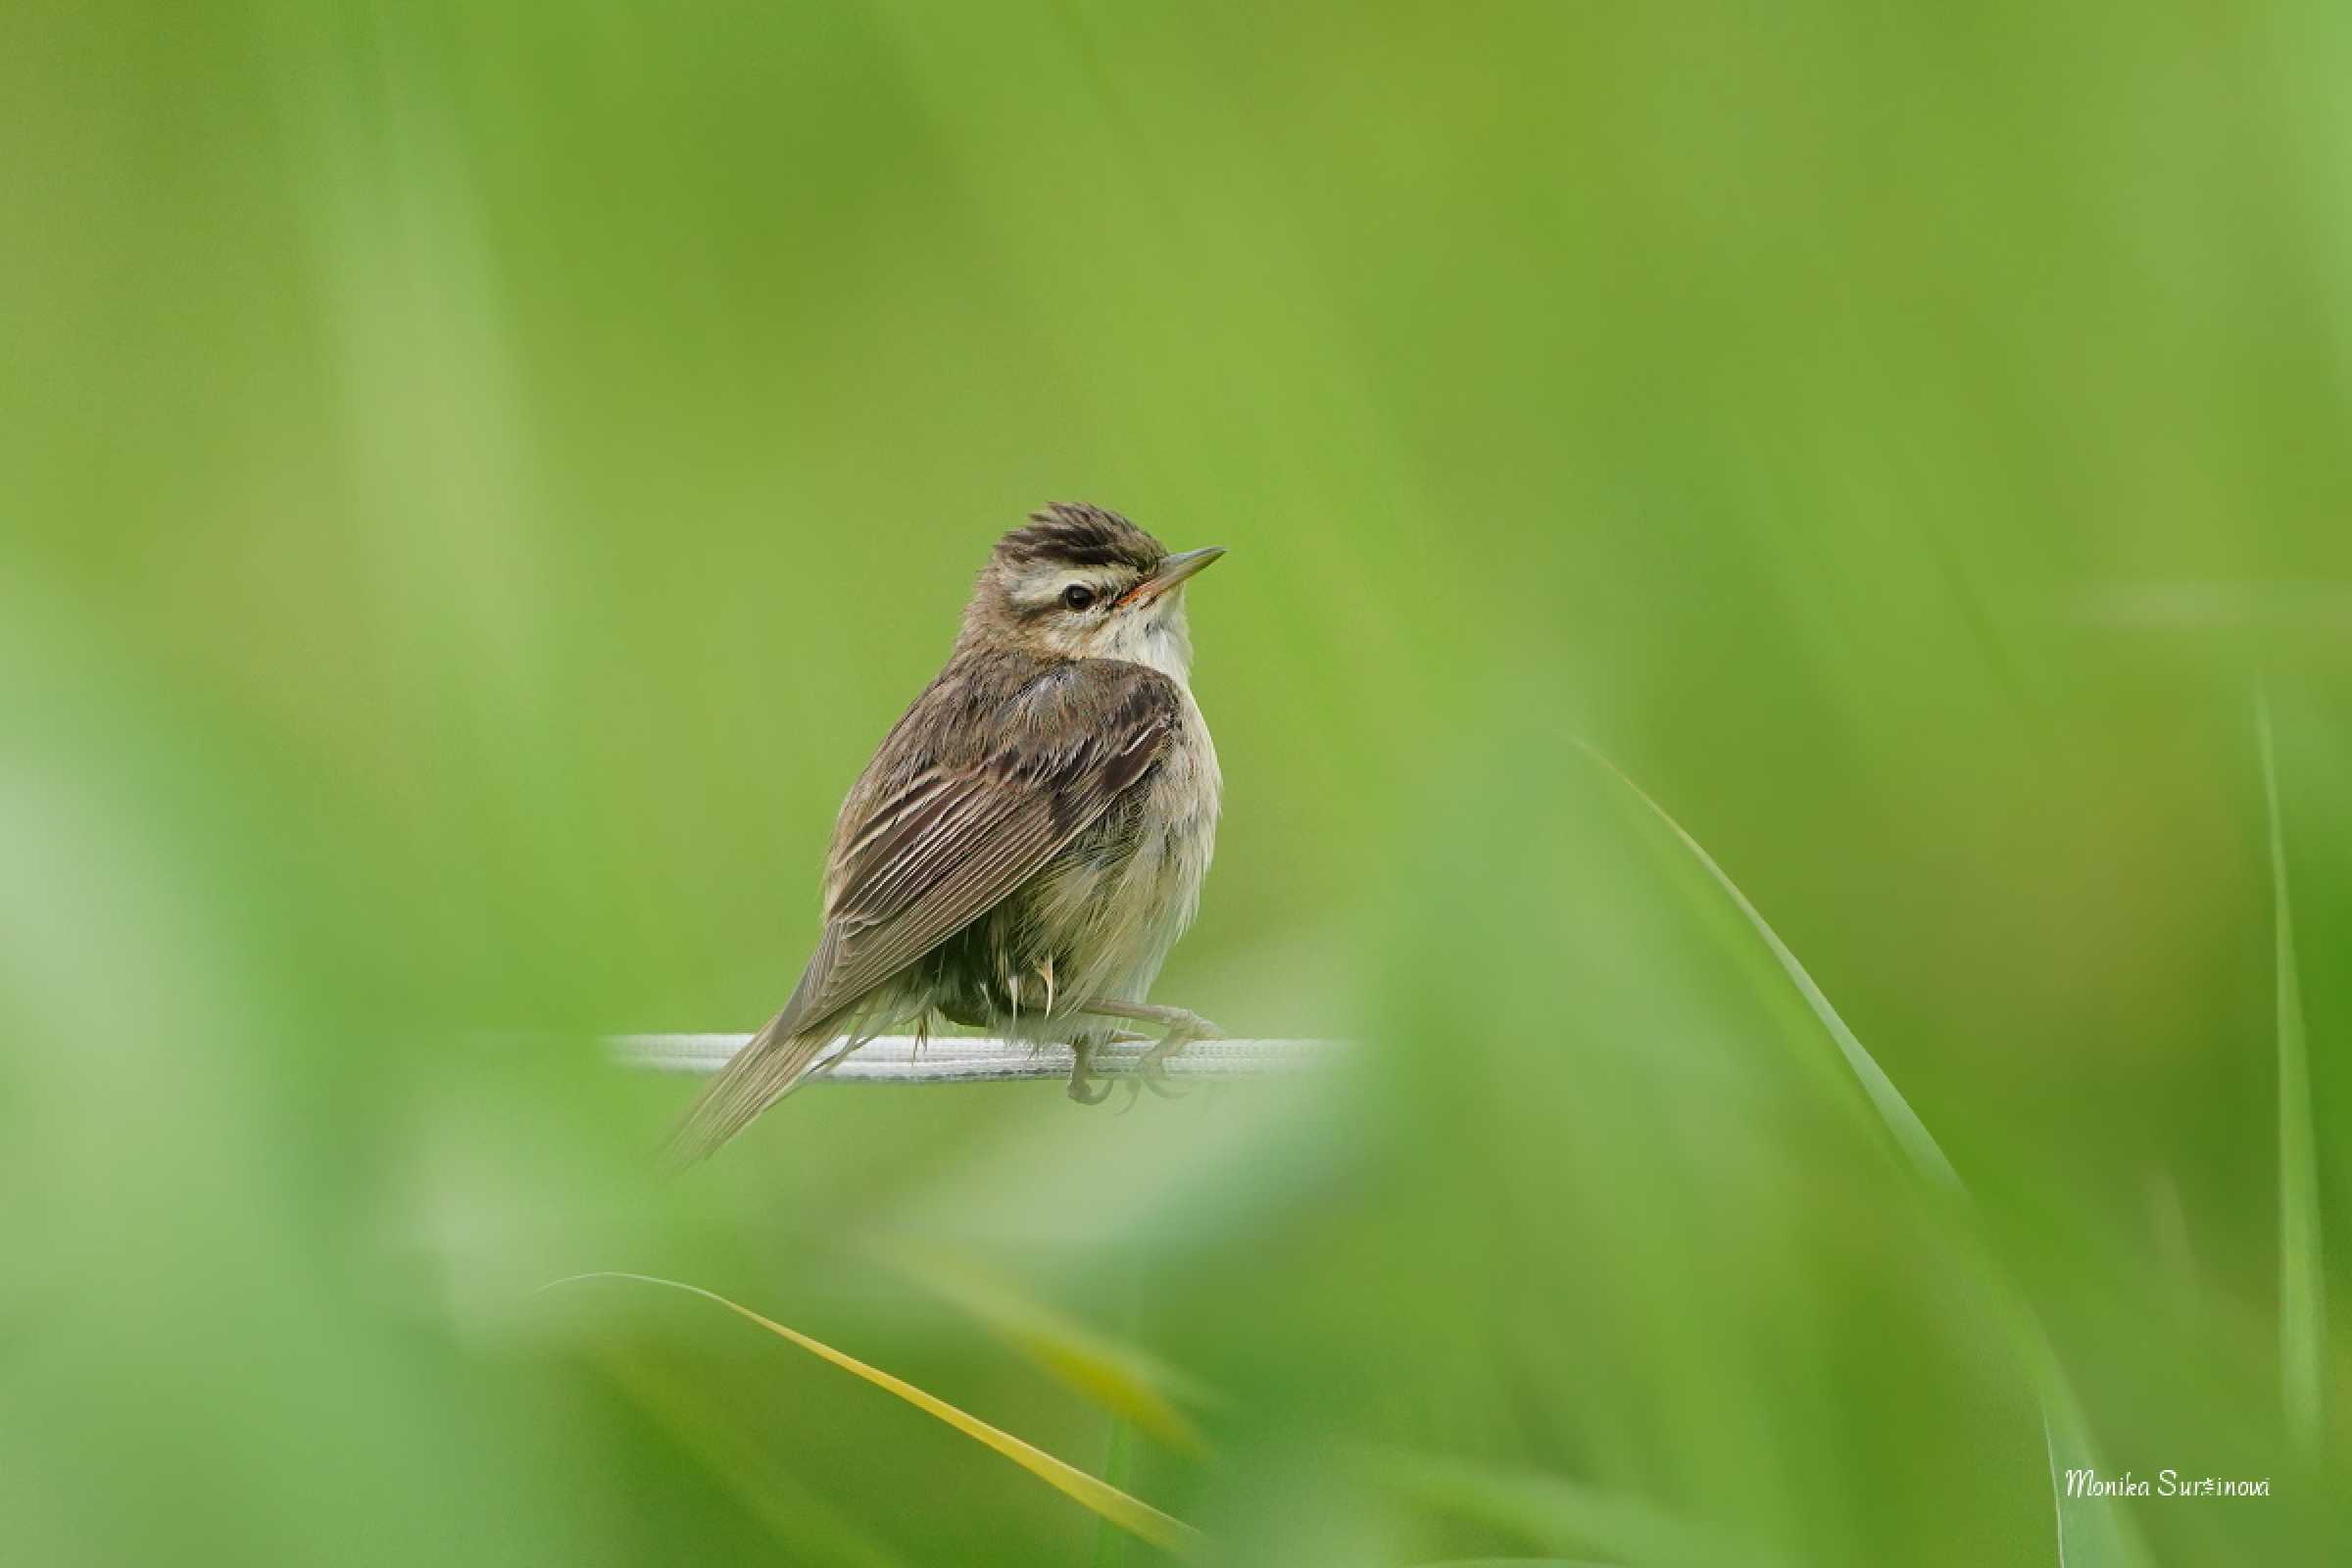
778 1060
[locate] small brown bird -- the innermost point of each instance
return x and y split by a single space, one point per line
1030 840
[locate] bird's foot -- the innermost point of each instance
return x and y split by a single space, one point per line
1183 1030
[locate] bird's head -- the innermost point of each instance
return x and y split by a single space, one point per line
1079 582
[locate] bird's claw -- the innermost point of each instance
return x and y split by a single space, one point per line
1157 1081
1152 1070
1084 1087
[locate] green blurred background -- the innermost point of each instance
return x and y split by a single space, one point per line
478 480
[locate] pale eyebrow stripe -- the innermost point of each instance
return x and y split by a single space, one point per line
1044 599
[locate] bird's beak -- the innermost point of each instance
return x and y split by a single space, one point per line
1169 574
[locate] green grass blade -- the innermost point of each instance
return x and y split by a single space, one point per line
1557 1515
1910 1134
2092 1531
2049 1444
804 1524
1119 1467
1118 1464
2302 1287
2090 1534
1132 1514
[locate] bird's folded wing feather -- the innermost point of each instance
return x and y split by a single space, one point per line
933 856
948 836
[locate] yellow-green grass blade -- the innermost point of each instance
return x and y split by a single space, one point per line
1910 1134
1115 1377
2302 1287
1132 1514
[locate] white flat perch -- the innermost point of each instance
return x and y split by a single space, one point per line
960 1060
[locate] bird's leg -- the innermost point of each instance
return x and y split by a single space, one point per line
1182 1027
1084 1088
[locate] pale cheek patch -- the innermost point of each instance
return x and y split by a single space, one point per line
1155 639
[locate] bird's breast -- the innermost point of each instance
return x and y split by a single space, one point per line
1188 785
1177 835
1126 889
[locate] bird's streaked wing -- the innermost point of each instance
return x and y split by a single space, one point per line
933 857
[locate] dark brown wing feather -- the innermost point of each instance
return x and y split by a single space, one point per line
1002 762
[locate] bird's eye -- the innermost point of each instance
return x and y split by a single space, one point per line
1077 596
